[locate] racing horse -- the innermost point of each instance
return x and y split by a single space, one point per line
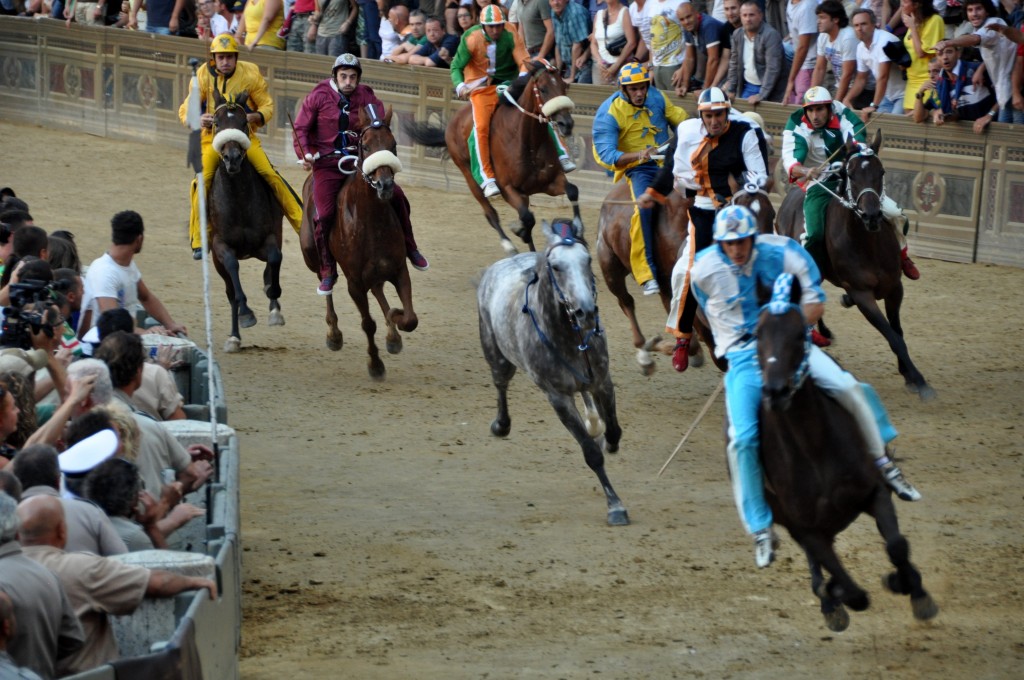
245 219
524 155
366 238
863 255
818 476
538 313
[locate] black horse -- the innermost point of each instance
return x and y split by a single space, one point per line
245 219
818 476
863 253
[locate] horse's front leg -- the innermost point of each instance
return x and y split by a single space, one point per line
374 364
405 316
227 257
604 395
906 580
335 340
915 381
234 341
821 548
836 617
521 203
502 371
865 302
565 407
272 280
393 340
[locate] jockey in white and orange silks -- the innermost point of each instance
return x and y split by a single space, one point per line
230 77
490 55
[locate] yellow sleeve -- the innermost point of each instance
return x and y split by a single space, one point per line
260 96
674 114
932 32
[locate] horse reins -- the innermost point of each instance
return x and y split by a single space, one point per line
584 339
540 118
849 201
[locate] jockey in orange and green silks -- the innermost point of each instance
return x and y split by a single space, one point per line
231 77
489 55
628 129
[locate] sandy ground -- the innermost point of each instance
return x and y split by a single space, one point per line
387 534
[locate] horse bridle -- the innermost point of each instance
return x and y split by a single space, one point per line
780 304
543 118
584 344
229 105
376 123
848 200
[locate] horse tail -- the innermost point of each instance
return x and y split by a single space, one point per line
426 134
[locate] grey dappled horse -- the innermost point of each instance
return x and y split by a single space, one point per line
538 313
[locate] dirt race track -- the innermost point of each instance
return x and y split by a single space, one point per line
387 534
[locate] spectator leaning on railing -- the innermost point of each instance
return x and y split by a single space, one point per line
836 48
757 65
878 81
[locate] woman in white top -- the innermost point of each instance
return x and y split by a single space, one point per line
611 25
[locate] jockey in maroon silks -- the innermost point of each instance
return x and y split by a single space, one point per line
328 123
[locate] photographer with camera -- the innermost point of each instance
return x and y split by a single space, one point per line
114 280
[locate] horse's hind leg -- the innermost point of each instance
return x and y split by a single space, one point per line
906 580
374 364
836 617
604 395
614 273
821 548
246 319
272 283
502 371
335 340
565 407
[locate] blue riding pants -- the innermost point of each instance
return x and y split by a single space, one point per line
742 401
641 177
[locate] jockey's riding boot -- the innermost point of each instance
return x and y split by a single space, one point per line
491 189
567 163
908 266
418 261
651 287
681 355
328 267
818 339
197 253
898 483
764 547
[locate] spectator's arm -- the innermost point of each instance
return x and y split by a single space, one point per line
133 20
167 584
681 78
549 38
711 68
155 308
271 8
1017 84
52 430
173 23
858 86
1010 33
772 64
820 66
802 47
846 75
723 68
579 59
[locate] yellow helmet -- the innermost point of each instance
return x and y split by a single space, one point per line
224 44
634 73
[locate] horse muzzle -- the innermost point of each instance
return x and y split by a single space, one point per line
232 159
777 397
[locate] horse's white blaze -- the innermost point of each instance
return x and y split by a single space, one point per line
755 206
864 165
380 159
556 104
771 360
225 136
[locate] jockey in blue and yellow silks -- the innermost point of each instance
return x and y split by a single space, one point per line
628 128
230 77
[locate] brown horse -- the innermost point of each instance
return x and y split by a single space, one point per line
819 478
863 254
366 240
245 219
524 155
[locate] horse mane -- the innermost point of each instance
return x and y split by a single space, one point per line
518 86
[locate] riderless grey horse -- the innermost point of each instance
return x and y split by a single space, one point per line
538 313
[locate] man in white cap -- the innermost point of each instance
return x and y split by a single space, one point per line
80 459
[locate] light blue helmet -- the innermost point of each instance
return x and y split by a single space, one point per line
734 222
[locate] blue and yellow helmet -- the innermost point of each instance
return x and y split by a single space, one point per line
634 73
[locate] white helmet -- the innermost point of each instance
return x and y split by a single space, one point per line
713 99
733 223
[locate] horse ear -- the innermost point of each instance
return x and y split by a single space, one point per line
764 293
876 143
242 98
363 118
796 293
218 98
387 117
577 228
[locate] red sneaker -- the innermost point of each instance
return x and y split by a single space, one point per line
908 266
819 339
681 355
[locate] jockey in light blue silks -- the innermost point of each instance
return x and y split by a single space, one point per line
724 280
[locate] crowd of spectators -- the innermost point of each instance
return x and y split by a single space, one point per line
87 470
875 56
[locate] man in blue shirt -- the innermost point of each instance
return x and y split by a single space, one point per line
572 31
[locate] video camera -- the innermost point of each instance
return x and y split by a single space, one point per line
20 324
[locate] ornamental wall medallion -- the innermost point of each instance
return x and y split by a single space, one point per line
929 193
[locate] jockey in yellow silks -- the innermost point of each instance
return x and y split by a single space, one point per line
628 129
231 77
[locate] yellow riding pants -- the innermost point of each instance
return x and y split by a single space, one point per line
290 202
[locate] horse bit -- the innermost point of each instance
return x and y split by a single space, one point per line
848 200
584 344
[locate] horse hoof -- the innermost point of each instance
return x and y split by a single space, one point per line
837 620
376 369
846 301
276 318
394 346
246 320
499 429
927 393
697 360
333 344
232 345
924 608
618 517
858 602
509 247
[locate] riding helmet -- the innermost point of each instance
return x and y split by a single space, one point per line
492 16
713 99
347 60
224 44
816 95
634 73
733 223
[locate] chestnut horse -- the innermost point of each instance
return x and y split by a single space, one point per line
863 252
524 155
245 218
367 241
819 477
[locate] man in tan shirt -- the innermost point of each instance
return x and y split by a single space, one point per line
96 586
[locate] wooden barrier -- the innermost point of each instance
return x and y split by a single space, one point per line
964 193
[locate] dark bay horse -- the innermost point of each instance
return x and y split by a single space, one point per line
525 157
538 313
819 477
245 219
367 241
863 252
